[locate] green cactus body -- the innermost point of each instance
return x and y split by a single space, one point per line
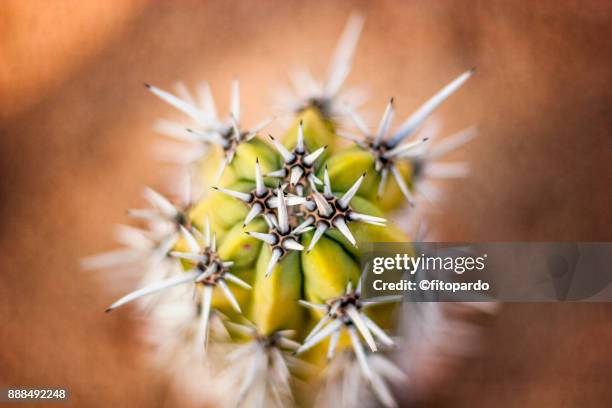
274 255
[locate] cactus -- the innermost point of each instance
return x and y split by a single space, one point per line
267 266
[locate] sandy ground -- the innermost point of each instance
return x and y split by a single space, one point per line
75 150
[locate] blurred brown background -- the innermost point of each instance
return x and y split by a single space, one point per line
75 125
